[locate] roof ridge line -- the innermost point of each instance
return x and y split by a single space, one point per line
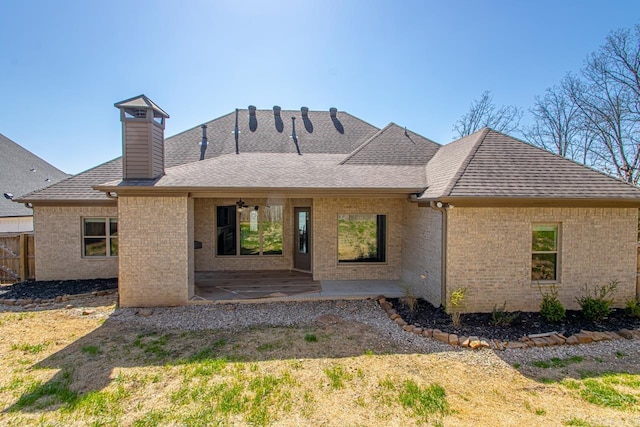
367 142
463 167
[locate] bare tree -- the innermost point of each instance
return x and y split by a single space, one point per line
558 126
607 94
483 113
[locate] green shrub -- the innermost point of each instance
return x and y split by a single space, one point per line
501 317
551 308
596 304
456 303
632 308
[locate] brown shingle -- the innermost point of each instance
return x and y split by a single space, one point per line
394 145
497 165
285 171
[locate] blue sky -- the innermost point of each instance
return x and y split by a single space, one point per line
419 64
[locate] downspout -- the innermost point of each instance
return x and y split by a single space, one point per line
439 206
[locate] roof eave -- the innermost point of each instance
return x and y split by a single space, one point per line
614 202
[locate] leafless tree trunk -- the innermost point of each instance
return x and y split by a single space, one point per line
483 113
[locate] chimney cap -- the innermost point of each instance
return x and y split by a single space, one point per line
276 109
304 111
252 110
141 101
333 111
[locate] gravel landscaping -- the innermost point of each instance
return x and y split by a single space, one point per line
364 312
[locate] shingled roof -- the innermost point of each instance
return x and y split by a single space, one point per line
286 171
489 164
21 172
266 132
340 151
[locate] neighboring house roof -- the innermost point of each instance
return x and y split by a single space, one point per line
21 172
489 164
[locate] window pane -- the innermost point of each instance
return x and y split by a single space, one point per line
226 230
303 235
249 232
545 238
95 247
361 238
272 230
94 227
114 247
113 227
543 266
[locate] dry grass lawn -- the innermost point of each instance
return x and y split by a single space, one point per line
60 367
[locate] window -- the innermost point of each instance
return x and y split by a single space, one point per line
362 238
256 230
100 237
544 252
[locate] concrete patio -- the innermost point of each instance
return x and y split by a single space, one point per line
271 286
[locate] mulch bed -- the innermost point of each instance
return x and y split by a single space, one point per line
53 288
481 325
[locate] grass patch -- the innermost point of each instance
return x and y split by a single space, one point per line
424 402
152 346
337 376
556 362
30 348
310 338
620 355
604 395
40 396
91 350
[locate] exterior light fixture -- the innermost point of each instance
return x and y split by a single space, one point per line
241 205
8 196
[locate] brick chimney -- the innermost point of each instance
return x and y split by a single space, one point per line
142 138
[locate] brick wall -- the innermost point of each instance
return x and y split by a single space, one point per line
58 244
489 252
155 246
422 251
325 238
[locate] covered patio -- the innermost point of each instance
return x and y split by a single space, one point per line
285 285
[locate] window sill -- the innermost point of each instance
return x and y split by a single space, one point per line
361 264
247 256
546 283
100 258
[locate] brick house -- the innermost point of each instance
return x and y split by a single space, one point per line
326 193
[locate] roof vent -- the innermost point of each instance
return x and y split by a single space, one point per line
204 143
305 112
294 136
332 112
236 133
253 121
278 120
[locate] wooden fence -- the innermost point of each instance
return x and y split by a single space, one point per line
17 257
